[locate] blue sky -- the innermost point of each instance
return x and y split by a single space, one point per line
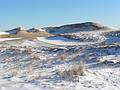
40 13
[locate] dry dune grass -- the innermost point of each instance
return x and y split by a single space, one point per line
25 34
7 36
62 57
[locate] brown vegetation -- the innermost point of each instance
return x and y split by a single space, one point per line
25 34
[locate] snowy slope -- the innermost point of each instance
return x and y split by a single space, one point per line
15 30
79 27
84 38
35 30
82 33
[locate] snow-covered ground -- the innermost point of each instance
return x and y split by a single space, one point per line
28 68
54 63
62 41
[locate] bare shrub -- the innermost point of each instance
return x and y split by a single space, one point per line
28 50
76 70
35 57
81 68
63 57
14 73
29 69
34 76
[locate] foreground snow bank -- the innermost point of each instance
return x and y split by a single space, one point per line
36 68
9 85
